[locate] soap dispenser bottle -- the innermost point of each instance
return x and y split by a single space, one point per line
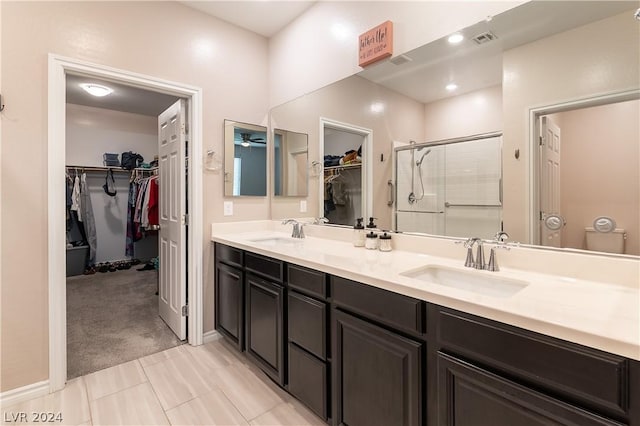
371 225
358 233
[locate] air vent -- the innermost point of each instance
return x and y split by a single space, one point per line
400 59
485 37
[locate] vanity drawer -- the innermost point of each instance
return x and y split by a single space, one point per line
229 255
265 266
308 380
578 373
307 280
308 323
394 309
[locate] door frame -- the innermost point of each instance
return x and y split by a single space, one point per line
367 160
534 152
58 67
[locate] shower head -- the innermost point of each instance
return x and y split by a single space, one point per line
419 162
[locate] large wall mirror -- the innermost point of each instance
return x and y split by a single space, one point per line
245 159
540 59
290 163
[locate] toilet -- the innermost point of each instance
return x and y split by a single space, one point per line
609 242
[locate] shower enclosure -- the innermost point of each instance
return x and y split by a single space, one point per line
451 187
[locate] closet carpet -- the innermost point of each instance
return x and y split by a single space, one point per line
113 318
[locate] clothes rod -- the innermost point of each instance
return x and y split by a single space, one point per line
113 168
343 166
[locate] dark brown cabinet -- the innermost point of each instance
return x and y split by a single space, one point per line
377 375
358 355
264 325
308 334
229 297
471 396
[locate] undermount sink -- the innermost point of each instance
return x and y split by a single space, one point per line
481 282
275 241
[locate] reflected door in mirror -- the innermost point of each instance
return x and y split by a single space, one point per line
245 159
291 156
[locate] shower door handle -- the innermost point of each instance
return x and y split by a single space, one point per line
390 184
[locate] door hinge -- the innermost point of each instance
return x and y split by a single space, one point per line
541 140
185 310
185 219
541 215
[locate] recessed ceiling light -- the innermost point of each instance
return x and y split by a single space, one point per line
96 89
455 38
451 87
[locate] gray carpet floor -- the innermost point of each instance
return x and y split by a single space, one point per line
113 318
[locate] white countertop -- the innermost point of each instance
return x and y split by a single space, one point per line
600 315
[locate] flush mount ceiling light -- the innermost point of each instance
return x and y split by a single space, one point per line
451 87
455 38
96 89
245 143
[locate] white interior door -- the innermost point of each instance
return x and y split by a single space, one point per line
172 241
549 180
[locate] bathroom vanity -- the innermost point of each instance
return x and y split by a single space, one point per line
357 353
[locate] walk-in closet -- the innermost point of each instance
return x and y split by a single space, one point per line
342 176
112 195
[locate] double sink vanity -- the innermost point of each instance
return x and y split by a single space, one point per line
411 337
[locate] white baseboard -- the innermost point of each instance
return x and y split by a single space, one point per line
210 336
24 393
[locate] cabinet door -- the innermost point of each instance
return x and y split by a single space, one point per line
229 298
471 396
264 314
377 375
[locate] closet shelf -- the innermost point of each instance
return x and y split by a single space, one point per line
343 167
107 168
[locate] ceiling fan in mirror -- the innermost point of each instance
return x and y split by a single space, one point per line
247 139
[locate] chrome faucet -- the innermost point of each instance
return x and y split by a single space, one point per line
500 239
297 231
468 244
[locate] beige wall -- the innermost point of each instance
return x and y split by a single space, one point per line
464 115
597 58
349 101
321 46
163 39
600 173
93 131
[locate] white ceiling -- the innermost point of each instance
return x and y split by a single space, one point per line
124 98
472 66
262 17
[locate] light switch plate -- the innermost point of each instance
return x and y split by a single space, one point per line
303 206
228 208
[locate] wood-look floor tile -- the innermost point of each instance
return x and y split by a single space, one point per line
148 360
291 413
114 379
137 405
249 394
213 355
213 408
179 379
71 402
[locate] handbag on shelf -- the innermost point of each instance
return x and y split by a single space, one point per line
131 160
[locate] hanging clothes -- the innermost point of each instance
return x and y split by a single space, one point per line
142 210
86 212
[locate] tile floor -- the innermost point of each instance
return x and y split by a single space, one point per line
212 384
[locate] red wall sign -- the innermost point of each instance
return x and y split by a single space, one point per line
376 44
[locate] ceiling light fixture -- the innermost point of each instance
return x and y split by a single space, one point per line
451 87
455 38
246 144
96 89
377 107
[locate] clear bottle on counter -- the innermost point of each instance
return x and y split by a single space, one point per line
385 242
358 233
371 242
